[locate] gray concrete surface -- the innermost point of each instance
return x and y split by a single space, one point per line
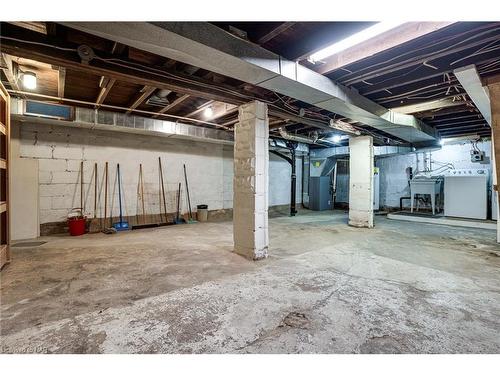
326 288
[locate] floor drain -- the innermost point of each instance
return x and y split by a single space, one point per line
29 244
295 320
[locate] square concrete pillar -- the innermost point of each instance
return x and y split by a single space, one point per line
361 182
251 169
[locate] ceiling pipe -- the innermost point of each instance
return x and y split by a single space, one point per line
298 138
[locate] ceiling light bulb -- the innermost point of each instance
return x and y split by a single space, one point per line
29 80
208 112
363 35
336 138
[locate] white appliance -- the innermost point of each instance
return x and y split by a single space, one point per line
466 193
494 204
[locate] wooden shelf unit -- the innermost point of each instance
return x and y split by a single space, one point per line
4 176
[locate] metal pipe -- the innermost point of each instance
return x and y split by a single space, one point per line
293 189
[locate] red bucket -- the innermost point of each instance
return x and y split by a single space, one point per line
76 225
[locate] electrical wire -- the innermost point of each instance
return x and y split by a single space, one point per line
424 56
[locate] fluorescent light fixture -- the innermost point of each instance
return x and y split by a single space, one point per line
363 35
29 80
208 112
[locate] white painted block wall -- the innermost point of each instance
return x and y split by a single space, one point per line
361 181
59 151
393 178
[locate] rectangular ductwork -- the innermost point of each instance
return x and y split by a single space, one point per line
106 120
209 47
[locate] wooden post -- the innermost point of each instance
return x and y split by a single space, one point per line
5 208
81 187
95 190
494 91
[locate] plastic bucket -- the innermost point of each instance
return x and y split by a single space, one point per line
76 225
202 212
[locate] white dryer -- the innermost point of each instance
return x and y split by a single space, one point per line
466 193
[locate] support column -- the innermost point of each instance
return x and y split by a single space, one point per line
251 168
361 182
494 91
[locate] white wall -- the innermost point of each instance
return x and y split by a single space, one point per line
59 151
393 178
23 192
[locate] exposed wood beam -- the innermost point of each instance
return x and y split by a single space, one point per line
106 84
494 90
428 106
447 111
145 92
275 32
61 82
399 35
117 48
491 80
39 27
70 60
176 102
417 60
10 70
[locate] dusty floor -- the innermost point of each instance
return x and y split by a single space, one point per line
326 288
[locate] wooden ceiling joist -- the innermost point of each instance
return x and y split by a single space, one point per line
9 68
275 32
175 103
61 82
106 84
390 39
145 92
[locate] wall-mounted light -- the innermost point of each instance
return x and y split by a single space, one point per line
208 112
29 80
441 142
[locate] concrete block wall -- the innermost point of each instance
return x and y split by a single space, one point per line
393 177
59 150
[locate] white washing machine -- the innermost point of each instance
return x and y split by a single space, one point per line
466 193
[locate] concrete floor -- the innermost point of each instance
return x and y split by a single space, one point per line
326 288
